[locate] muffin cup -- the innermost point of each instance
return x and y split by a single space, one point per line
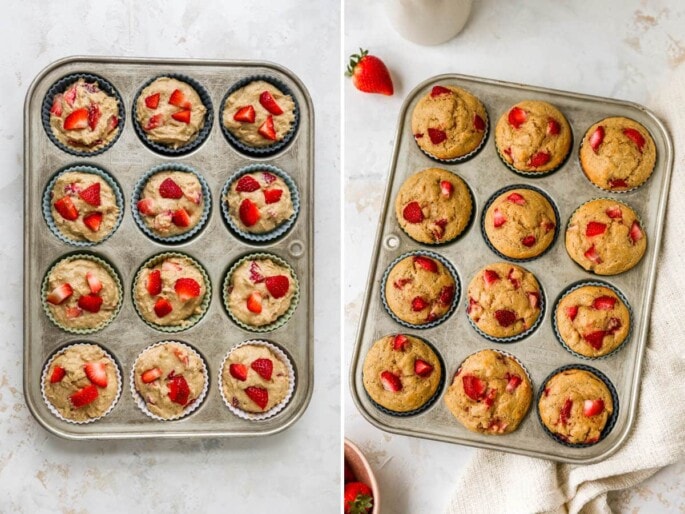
534 174
503 190
611 421
59 87
53 409
574 287
108 268
276 232
138 399
193 320
263 151
200 137
138 190
281 320
47 203
467 156
275 409
455 300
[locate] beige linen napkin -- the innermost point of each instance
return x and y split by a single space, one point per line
505 483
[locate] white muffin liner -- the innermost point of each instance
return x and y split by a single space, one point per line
46 368
278 407
140 402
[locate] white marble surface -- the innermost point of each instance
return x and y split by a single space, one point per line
295 471
622 49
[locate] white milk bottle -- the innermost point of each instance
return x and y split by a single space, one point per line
428 22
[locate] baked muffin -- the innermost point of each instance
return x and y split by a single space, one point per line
171 203
504 300
533 137
81 294
575 406
85 118
254 379
490 393
81 382
420 290
520 223
433 206
170 291
259 291
170 112
259 114
84 207
170 379
401 373
617 154
592 320
605 236
449 123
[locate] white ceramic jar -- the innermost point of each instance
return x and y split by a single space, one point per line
428 22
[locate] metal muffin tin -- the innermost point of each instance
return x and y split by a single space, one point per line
215 247
540 352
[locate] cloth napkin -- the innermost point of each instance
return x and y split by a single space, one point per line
505 483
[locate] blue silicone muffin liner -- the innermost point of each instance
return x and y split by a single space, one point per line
455 299
611 421
138 189
200 137
503 190
262 151
576 286
59 87
272 234
47 203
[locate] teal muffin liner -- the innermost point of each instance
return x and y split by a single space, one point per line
503 190
611 421
262 151
206 198
455 300
47 203
199 138
189 322
576 286
281 320
277 232
108 267
59 87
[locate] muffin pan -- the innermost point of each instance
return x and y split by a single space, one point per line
215 247
539 351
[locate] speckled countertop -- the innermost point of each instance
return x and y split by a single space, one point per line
624 49
41 473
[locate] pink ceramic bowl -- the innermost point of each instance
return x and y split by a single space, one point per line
362 470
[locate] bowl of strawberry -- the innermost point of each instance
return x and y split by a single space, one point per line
361 489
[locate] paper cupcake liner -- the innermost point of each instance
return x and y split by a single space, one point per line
252 416
535 174
429 403
47 203
53 409
263 151
59 87
206 198
142 405
281 320
455 300
277 232
576 286
200 137
187 323
611 421
503 190
108 267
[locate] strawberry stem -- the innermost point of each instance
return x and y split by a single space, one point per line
354 60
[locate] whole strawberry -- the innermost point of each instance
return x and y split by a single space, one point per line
358 498
369 74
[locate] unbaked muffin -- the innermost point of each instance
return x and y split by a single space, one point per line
617 154
491 393
401 373
433 206
605 236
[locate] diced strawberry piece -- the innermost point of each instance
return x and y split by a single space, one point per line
635 232
498 218
96 373
182 116
446 295
635 136
238 371
391 382
256 273
70 96
418 136
187 288
426 263
90 303
112 123
56 108
169 265
152 101
604 303
94 282
267 129
277 285
162 307
593 407
446 188
254 302
517 199
515 278
553 127
617 183
150 375
179 391
170 189
263 367
517 117
91 194
399 343
59 294
245 114
412 212
178 99
549 225
77 120
259 395
528 241
93 116
505 317
565 411
247 184
249 212
592 255
474 387
57 375
418 304
490 276
154 282
513 381
66 208
154 121
439 230
93 221
595 228
491 397
181 354
401 282
73 312
507 151
595 339
596 138
272 195
180 218
145 206
539 159
440 90
572 312
614 212
269 103
437 136
269 178
84 396
534 299
478 123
